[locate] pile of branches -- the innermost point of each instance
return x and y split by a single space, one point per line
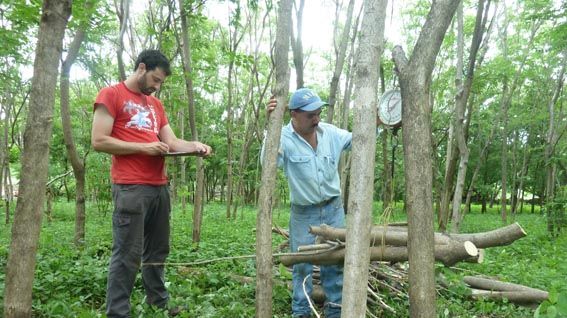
389 255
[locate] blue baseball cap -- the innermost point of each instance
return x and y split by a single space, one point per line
306 100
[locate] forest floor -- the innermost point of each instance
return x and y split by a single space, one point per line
71 282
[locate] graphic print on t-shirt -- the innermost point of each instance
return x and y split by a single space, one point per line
140 117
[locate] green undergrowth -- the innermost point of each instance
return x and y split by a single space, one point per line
71 282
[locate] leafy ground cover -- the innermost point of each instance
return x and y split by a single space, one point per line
71 282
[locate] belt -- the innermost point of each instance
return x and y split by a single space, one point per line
316 205
324 202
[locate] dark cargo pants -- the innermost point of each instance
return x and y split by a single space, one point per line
140 231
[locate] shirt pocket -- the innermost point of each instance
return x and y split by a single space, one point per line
301 167
329 167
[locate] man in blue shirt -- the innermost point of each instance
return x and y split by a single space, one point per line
309 154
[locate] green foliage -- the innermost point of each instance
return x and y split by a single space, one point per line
554 307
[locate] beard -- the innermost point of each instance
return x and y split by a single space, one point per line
144 88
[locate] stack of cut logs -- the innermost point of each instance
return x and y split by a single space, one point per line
388 251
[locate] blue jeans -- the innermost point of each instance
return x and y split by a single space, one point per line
140 232
331 275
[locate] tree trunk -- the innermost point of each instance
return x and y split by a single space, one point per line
269 165
200 169
5 162
551 166
461 98
20 268
357 256
72 153
123 16
344 162
233 41
297 44
182 180
415 81
505 101
340 54
482 157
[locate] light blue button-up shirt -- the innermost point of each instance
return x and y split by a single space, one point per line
312 174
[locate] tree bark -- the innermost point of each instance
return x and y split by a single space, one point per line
123 16
551 166
461 98
340 55
76 163
415 81
359 221
505 101
27 220
233 42
269 165
200 169
297 44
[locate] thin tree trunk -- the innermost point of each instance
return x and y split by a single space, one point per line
123 17
344 162
20 268
200 169
357 257
523 173
297 44
72 153
234 41
507 94
461 98
340 54
183 169
269 165
415 81
482 157
458 123
387 171
551 166
5 163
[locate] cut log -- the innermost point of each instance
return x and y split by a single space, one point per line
398 236
493 284
483 287
503 236
448 254
516 297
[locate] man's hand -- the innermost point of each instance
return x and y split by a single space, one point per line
271 105
202 150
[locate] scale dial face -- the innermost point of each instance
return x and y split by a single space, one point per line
390 108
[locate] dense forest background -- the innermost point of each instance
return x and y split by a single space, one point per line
504 144
515 119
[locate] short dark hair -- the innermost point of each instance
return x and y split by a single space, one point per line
153 59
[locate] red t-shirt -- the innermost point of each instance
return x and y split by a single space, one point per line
137 118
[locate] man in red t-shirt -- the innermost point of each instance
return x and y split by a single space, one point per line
131 124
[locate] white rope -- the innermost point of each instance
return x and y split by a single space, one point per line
308 298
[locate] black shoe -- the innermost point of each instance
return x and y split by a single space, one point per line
174 311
